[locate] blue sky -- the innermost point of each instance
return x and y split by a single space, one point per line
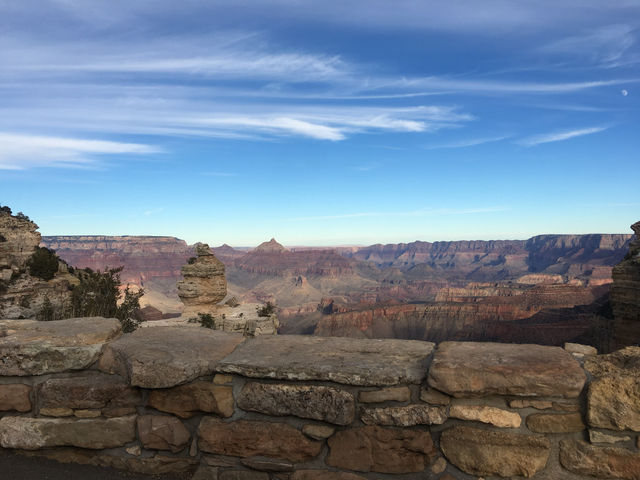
321 123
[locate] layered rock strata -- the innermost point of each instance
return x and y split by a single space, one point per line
174 399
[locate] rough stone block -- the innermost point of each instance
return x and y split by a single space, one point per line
479 369
306 401
34 433
482 413
187 400
88 390
486 453
36 348
614 402
244 438
343 360
383 450
389 394
555 423
162 357
16 396
603 462
160 432
267 465
407 416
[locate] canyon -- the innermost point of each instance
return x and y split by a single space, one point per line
547 289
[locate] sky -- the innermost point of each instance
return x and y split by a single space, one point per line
321 123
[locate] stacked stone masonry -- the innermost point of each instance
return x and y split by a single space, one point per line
221 406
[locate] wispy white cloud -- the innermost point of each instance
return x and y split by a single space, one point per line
19 152
408 213
467 143
560 136
606 45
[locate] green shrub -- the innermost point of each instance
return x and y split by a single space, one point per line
4 210
43 263
266 310
206 320
98 294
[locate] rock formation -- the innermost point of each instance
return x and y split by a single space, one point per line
21 294
625 295
204 284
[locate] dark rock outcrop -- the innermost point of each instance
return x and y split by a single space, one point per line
625 295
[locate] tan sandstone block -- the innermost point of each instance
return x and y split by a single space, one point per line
491 415
603 462
487 453
555 423
390 394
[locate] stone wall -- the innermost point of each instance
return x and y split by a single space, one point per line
189 399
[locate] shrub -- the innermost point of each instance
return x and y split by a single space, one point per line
43 263
192 260
46 312
2 238
266 310
98 294
206 320
22 216
4 210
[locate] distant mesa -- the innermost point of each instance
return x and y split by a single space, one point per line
272 246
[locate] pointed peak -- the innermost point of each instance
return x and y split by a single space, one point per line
272 246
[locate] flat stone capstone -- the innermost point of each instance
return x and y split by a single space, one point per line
342 360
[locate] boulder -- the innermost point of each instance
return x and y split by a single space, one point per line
603 462
160 432
488 453
188 400
162 357
343 360
35 433
306 401
379 449
244 438
30 347
465 369
407 416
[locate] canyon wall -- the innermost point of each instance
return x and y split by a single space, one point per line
188 399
